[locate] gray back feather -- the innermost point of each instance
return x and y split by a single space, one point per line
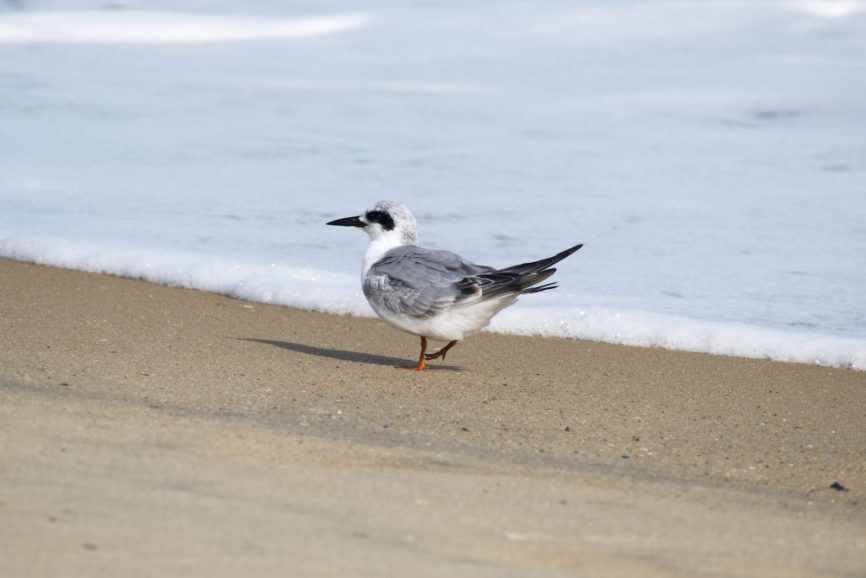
420 282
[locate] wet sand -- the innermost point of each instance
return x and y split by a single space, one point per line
148 430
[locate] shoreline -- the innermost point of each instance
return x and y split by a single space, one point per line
633 328
125 399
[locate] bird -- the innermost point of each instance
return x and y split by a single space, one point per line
436 294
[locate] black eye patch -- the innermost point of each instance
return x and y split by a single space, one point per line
381 217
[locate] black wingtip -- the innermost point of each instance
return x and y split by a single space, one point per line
535 266
560 256
571 250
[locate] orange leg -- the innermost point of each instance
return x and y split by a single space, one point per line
421 365
441 353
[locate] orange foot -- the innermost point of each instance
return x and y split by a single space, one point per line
421 365
441 353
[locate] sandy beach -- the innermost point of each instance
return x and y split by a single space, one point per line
155 431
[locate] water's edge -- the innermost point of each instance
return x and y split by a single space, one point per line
338 293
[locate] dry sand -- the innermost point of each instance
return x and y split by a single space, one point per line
152 431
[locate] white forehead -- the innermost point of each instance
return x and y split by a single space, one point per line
396 210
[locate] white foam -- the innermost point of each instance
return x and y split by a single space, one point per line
827 8
311 289
264 282
140 27
646 329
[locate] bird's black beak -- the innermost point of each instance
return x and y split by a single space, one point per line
349 222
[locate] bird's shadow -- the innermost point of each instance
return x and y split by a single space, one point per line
344 355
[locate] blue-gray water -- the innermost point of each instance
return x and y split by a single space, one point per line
711 155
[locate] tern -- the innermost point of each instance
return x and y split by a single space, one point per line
435 294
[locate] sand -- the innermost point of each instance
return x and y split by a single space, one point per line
156 431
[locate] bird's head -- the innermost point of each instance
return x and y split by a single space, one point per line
385 221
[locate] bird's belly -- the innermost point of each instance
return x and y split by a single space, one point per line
452 325
430 327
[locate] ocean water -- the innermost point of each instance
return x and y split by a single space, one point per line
710 155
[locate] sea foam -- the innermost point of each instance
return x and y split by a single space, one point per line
338 293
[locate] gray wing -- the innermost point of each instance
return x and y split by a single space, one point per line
419 282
